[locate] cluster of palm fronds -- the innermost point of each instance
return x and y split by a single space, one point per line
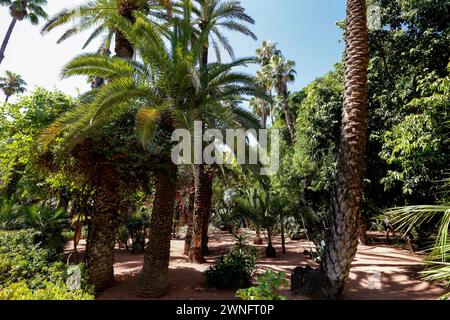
438 255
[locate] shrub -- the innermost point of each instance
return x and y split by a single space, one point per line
134 228
234 270
49 291
48 223
269 285
29 271
23 260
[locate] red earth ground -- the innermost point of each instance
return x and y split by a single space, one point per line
397 267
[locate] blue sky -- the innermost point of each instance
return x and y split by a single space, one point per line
305 31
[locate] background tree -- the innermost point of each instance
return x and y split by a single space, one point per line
283 73
21 9
12 84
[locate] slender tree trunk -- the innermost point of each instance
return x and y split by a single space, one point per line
154 279
283 237
103 226
6 39
7 98
347 195
287 115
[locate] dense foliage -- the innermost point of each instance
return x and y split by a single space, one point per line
29 271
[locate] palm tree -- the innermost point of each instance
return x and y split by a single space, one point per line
283 73
266 51
230 16
12 84
262 109
329 280
264 54
347 194
21 9
164 91
227 15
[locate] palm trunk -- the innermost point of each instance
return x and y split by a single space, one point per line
200 212
208 199
6 39
124 49
154 279
347 194
189 217
287 115
7 98
103 226
283 237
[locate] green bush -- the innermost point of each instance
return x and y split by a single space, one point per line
49 223
29 271
234 270
23 260
269 285
49 291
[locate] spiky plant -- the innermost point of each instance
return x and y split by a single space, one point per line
406 219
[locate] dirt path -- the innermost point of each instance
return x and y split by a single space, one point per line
397 271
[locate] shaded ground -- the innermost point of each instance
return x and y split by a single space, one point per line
396 268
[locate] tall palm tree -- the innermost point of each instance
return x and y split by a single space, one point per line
12 84
347 194
264 54
21 9
283 73
227 15
218 15
165 91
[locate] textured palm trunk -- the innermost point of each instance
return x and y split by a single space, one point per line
200 213
363 238
347 195
189 231
154 278
103 226
6 39
208 199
